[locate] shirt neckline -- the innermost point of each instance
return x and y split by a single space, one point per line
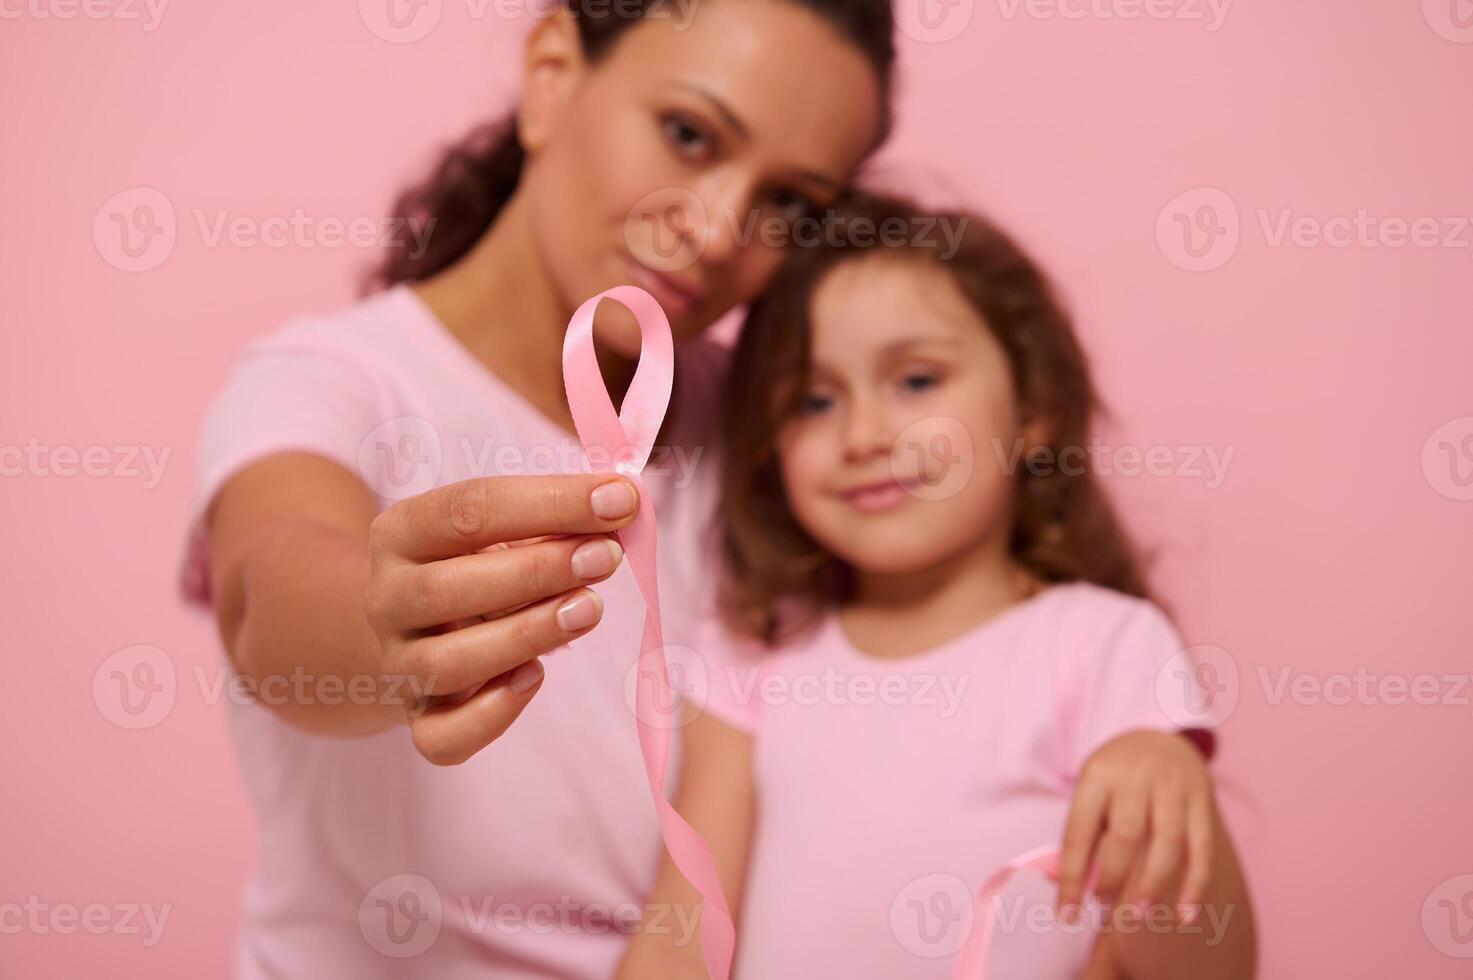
451 351
973 637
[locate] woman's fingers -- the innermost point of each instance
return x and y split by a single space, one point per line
463 659
1085 817
493 582
449 734
465 517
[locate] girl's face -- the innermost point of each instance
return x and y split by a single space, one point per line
895 460
659 164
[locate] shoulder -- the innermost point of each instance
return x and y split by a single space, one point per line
351 332
1105 613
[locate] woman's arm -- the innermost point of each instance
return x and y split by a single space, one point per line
348 621
716 796
289 565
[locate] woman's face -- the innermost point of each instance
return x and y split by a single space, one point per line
674 162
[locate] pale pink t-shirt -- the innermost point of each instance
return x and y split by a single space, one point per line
888 789
528 860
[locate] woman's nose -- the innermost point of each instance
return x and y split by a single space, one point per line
727 202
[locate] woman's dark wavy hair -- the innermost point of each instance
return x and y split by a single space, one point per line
778 578
476 177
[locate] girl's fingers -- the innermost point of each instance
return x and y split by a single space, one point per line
1200 825
1124 837
1164 854
449 734
466 658
1080 833
492 582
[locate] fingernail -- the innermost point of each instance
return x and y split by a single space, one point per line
526 677
614 500
579 612
595 559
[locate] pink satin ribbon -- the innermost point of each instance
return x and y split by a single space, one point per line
622 443
971 959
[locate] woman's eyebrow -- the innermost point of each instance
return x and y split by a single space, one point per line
722 109
729 116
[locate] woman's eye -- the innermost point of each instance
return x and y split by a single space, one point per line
791 205
689 140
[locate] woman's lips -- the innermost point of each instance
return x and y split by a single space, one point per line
883 495
674 297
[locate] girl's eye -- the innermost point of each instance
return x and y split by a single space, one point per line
689 140
919 381
814 404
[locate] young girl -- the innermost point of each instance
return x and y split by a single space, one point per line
937 651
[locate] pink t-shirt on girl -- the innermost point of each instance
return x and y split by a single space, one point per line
889 789
528 860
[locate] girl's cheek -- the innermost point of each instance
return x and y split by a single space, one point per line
802 457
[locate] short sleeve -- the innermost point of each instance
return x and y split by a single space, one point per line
284 393
1133 671
729 672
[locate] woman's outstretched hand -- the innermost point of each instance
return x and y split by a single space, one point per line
1145 799
472 582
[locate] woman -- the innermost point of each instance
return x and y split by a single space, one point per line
371 567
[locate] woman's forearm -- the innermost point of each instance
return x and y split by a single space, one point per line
292 618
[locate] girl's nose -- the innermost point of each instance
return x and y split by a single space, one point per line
867 431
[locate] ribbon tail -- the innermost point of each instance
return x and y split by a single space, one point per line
655 709
971 959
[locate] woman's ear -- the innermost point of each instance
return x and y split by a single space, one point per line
552 67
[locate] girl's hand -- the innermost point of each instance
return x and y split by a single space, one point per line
1146 798
472 582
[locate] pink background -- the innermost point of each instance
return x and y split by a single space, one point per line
1334 543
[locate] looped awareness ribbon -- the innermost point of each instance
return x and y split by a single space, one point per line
971 959
624 442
